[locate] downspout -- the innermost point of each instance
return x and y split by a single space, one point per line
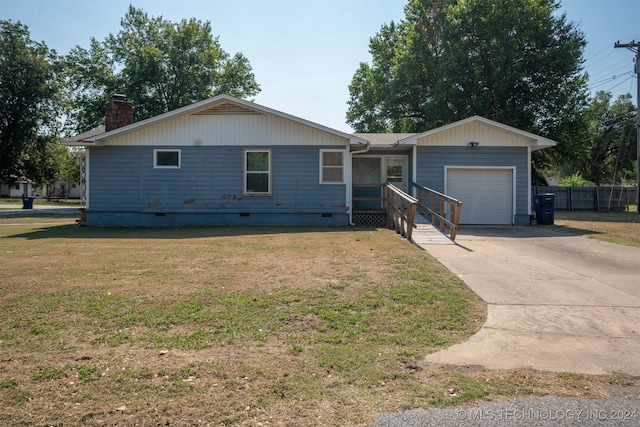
350 181
414 172
529 189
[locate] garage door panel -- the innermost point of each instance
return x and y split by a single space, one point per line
486 194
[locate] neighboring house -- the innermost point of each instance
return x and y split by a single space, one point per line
229 161
22 187
58 189
63 189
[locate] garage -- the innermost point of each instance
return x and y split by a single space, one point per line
486 193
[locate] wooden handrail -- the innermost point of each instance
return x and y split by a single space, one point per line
401 210
443 211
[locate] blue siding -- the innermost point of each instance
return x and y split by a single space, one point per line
208 188
114 177
432 160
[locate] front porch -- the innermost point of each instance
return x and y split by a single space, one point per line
370 173
391 207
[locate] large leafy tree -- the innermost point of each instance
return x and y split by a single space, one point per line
513 61
158 64
608 153
29 96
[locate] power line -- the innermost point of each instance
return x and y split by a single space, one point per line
624 81
624 63
608 80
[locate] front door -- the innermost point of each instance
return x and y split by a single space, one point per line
367 177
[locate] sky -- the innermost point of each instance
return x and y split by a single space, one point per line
304 53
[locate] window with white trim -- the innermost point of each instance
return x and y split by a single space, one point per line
257 172
332 166
167 159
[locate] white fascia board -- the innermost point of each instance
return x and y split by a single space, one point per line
83 143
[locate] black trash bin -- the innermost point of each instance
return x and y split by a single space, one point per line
27 203
545 208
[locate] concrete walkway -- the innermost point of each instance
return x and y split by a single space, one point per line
556 302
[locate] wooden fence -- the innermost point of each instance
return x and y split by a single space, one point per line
597 199
441 210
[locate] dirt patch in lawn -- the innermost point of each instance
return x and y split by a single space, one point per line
223 326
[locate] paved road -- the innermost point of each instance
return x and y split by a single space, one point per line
621 409
16 210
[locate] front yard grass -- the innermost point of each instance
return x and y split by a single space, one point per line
231 326
622 228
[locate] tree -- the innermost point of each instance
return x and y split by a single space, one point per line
158 64
511 61
29 95
608 154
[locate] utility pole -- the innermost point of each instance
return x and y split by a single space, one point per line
634 47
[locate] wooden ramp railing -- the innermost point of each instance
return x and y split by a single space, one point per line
401 210
441 210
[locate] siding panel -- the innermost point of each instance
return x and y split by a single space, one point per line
209 181
114 179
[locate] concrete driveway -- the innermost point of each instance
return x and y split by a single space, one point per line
556 302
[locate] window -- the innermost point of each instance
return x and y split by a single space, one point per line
331 166
257 172
166 159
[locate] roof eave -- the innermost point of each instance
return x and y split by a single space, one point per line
540 144
411 140
82 143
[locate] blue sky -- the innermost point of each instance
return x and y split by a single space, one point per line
305 52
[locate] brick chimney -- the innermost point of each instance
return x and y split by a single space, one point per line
119 112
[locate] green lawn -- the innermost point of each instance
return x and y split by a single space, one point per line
228 326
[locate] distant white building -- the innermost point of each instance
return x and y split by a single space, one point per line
22 187
63 189
58 189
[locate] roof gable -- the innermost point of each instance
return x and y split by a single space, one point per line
482 132
221 105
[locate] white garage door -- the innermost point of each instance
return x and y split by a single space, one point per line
486 194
